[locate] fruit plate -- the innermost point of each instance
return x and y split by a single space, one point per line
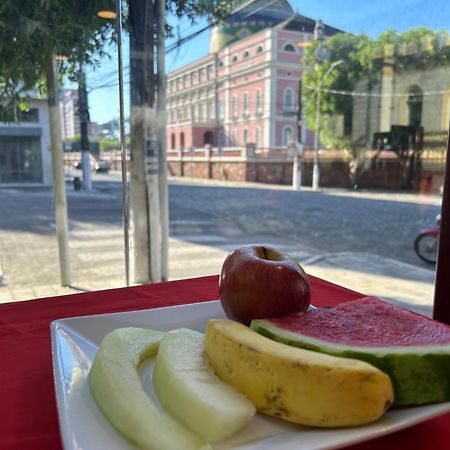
75 342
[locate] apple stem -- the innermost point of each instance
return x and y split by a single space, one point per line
264 252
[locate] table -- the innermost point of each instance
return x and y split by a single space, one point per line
28 417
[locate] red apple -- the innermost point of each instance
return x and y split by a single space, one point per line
258 282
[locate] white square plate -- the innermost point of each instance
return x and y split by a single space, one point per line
83 427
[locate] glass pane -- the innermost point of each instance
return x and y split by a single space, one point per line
261 124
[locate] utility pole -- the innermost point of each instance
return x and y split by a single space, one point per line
162 150
299 150
83 112
59 187
145 164
319 31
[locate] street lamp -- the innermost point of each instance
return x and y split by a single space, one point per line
316 168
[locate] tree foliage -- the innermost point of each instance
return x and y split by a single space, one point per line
416 48
30 30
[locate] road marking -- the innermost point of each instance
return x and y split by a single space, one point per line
96 233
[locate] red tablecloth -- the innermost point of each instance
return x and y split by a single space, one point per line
28 416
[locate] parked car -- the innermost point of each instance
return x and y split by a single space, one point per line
101 167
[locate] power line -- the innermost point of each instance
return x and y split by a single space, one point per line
377 94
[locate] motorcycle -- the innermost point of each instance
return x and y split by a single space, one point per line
426 242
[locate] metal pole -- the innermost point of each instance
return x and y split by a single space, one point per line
83 111
59 187
441 307
316 168
123 149
161 130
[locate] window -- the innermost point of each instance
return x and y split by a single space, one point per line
287 135
258 102
234 58
245 136
194 113
258 137
246 104
234 106
234 137
289 48
246 54
182 139
32 115
172 141
288 98
208 138
20 159
415 107
259 49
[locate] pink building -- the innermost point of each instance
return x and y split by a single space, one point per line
245 91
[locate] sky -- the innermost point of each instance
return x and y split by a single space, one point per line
371 17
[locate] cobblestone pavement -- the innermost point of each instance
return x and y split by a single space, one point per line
359 239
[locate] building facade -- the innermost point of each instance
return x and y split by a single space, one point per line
25 156
245 91
70 120
405 95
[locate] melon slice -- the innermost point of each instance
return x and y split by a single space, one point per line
412 349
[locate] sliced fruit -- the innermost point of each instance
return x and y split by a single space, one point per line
187 387
296 385
117 389
412 349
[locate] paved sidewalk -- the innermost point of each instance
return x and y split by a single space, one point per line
403 284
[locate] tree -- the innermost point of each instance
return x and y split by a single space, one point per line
31 35
30 32
363 59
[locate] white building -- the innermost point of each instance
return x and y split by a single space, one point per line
25 156
70 120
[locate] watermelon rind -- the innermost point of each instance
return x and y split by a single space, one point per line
419 374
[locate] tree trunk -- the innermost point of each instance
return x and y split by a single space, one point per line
144 165
59 187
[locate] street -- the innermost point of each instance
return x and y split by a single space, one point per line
206 222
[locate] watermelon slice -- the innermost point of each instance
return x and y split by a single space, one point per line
412 349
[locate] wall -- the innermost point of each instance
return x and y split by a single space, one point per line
386 172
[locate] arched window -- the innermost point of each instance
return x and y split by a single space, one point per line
234 137
181 139
258 137
234 58
415 106
246 103
288 100
287 135
258 101
289 48
245 136
259 49
246 54
234 106
172 141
